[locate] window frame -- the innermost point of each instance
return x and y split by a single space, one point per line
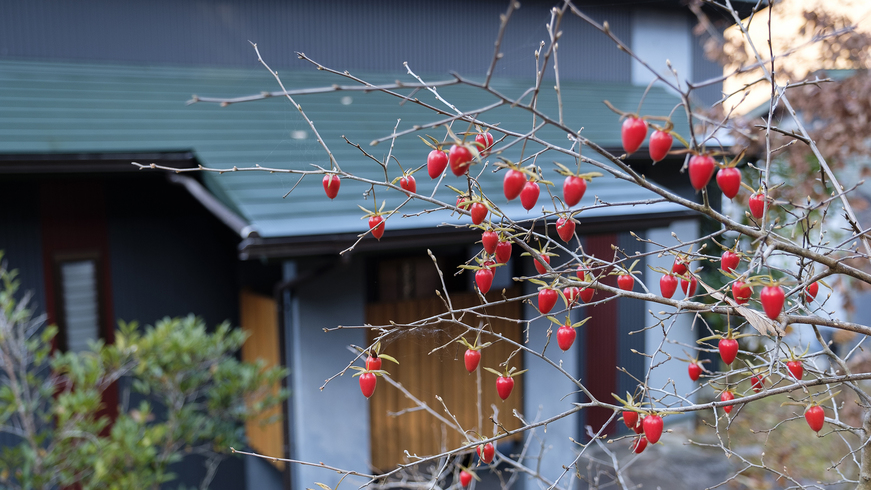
58 260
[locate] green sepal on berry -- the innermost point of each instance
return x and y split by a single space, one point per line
568 322
361 370
476 346
565 172
507 373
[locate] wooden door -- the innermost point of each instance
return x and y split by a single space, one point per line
397 423
259 318
77 277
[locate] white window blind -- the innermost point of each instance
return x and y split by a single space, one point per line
80 305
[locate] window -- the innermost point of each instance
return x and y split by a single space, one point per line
78 302
80 307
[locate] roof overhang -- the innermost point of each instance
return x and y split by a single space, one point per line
117 163
89 162
335 244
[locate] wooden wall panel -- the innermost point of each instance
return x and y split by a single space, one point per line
396 424
260 319
601 331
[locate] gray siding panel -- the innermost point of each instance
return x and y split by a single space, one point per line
377 35
169 257
20 240
705 69
20 237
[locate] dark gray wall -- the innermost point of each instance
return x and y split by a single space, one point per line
705 69
20 241
20 236
375 35
169 256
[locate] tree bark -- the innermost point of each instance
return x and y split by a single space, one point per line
865 469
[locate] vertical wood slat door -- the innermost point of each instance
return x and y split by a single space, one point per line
441 373
259 318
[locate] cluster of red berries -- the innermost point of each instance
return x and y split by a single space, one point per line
524 184
772 300
648 428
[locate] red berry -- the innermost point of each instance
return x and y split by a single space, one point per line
727 396
639 445
574 188
408 183
810 292
582 272
757 205
331 185
728 350
367 384
484 279
472 358
376 224
679 267
729 180
660 144
729 261
529 195
757 382
436 162
490 239
701 168
504 385
652 428
503 252
459 158
772 301
639 427
565 337
465 476
633 132
479 213
586 294
694 371
667 286
546 300
484 141
625 282
486 452
796 368
741 292
513 183
815 417
689 287
630 418
572 294
565 228
538 266
373 363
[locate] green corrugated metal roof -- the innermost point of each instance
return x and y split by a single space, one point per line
70 108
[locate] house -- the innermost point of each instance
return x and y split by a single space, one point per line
88 88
